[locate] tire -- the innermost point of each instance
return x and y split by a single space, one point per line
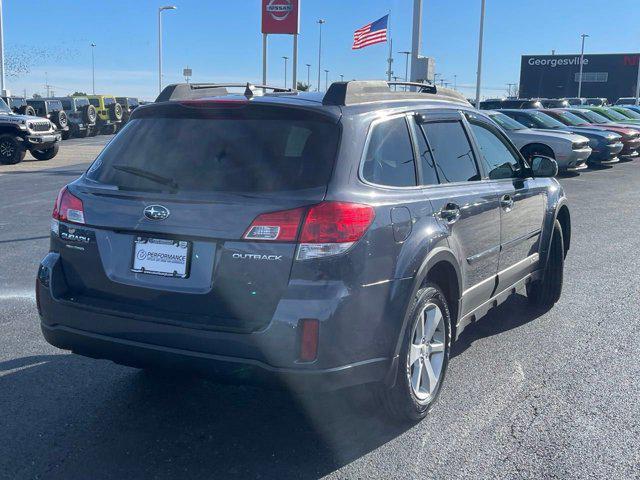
11 150
60 119
109 129
404 401
47 154
89 114
66 134
27 110
545 292
93 130
115 112
82 133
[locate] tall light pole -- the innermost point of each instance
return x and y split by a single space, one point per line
308 75
285 70
320 23
93 68
455 82
326 80
584 35
160 10
406 65
479 72
1 53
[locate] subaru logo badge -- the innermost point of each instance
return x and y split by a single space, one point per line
156 212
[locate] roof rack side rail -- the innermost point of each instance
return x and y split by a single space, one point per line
193 91
423 87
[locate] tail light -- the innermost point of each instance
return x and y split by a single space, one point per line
329 228
68 208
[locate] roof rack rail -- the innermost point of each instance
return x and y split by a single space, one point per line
365 91
194 91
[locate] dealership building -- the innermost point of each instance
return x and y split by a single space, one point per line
556 76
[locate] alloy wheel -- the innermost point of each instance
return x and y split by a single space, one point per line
7 149
426 353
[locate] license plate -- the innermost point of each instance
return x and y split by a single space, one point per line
156 256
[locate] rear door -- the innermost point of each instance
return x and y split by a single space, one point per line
522 202
465 204
170 200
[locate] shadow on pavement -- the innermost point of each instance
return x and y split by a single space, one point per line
72 417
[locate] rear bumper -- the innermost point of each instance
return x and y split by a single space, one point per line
218 367
265 356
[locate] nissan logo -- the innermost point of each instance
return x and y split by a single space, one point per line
156 212
279 9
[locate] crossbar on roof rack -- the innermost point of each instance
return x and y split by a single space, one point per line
193 91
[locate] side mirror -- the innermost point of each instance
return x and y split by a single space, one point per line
544 166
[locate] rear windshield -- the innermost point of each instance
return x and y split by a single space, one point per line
224 154
81 102
95 102
109 100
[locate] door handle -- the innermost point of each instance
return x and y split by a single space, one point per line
450 213
506 202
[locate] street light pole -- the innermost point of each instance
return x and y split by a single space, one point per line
93 68
406 65
2 86
308 75
285 70
326 80
160 10
320 23
479 72
584 35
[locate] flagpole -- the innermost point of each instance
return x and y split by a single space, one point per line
390 59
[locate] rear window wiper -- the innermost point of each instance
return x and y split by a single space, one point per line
154 177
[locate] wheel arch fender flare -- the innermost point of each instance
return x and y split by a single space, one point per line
435 256
560 212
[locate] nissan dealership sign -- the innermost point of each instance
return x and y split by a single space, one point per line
610 75
281 16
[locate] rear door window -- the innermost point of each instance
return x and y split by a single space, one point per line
204 151
452 151
389 159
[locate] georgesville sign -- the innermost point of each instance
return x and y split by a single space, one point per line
556 76
281 16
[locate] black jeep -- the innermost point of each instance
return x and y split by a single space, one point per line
19 105
129 104
81 114
52 110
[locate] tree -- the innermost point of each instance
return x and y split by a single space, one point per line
78 94
37 95
303 87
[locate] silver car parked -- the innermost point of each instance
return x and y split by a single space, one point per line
568 149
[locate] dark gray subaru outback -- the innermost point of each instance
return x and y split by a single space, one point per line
324 241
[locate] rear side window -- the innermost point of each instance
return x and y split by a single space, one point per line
220 154
452 152
389 159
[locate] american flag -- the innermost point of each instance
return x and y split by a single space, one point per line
371 33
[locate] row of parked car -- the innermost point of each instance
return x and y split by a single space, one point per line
38 125
575 134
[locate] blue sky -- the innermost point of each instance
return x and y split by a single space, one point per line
221 41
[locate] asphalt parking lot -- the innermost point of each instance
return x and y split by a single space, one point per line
528 395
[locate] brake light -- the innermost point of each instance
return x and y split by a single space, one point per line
68 208
329 228
336 222
281 226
